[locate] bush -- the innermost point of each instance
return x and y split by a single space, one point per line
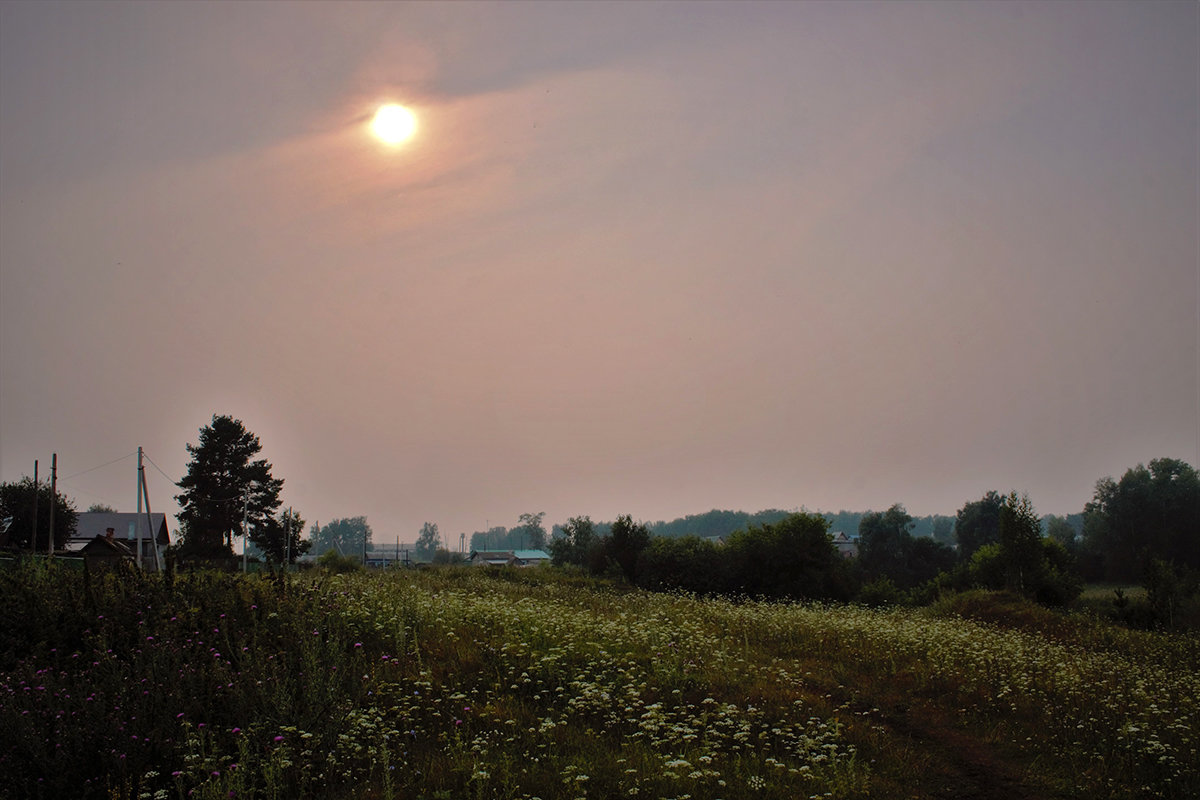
1048 579
337 564
1171 595
689 563
1003 609
794 559
881 592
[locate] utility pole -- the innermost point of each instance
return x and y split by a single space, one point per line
33 533
141 483
53 497
149 517
287 538
245 516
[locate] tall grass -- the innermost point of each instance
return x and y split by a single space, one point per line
471 683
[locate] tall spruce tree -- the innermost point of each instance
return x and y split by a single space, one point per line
223 484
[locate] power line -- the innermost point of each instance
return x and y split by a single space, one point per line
176 483
66 478
157 467
237 496
76 490
146 456
93 469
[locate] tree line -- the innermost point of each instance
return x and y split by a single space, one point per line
1143 528
792 558
528 534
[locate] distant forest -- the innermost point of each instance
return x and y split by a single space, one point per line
721 523
938 527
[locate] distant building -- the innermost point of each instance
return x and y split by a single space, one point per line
382 560
126 527
847 544
510 558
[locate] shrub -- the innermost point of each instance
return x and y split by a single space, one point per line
792 559
337 564
881 592
688 563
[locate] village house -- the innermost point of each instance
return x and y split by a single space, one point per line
846 544
511 558
126 528
105 552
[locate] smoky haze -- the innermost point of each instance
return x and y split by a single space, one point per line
641 259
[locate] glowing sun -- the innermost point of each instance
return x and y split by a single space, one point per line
394 124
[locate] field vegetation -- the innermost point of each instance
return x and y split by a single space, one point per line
478 683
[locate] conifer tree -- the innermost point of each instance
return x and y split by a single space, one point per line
223 484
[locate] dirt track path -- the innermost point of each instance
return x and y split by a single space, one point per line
961 766
923 750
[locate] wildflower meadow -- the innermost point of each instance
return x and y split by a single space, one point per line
478 683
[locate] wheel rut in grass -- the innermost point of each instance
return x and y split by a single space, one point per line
924 749
958 764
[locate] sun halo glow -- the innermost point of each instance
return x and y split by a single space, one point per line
394 124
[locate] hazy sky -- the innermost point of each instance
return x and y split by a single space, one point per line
640 258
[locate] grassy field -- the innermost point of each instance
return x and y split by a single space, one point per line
465 683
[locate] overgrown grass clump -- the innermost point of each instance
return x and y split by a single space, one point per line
472 683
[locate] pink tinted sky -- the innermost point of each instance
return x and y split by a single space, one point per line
641 258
